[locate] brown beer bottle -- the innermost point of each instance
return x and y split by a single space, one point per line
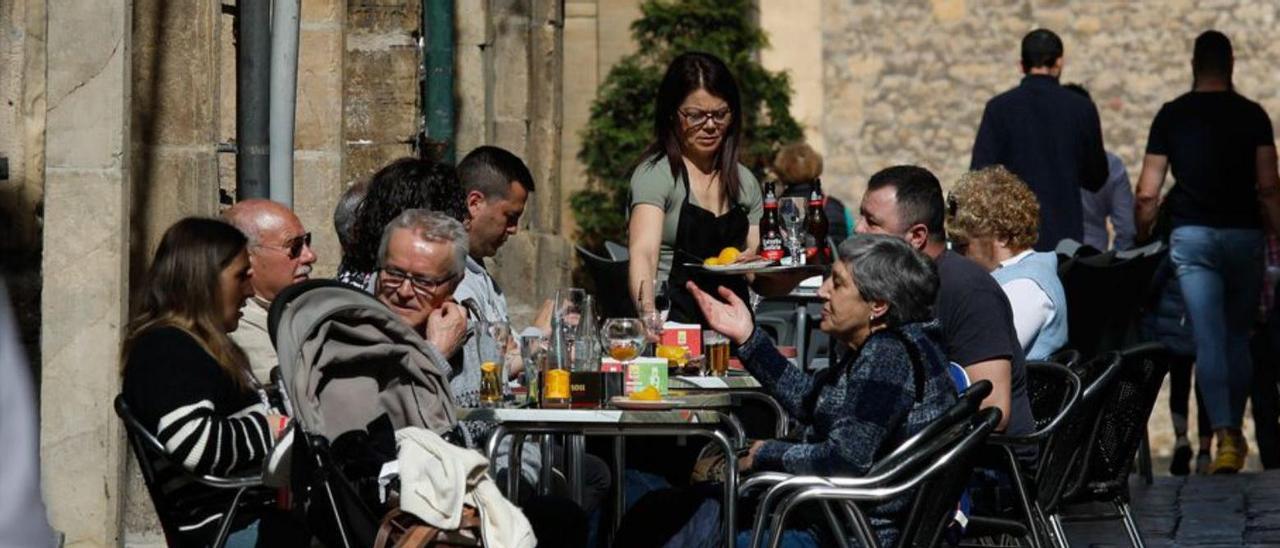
771 246
817 251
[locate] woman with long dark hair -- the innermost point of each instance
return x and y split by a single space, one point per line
184 378
690 198
407 183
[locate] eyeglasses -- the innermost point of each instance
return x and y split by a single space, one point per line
394 278
697 118
292 247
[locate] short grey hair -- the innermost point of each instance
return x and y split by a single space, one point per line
886 268
432 226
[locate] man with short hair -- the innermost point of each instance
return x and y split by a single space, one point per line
497 185
280 255
977 321
420 264
1221 149
1049 137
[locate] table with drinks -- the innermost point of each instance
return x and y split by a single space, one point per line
590 379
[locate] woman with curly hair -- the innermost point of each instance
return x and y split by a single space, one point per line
993 218
407 183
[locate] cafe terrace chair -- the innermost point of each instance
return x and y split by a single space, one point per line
617 251
904 459
937 475
1103 473
1105 294
612 294
159 471
1054 392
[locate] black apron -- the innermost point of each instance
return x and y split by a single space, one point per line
699 235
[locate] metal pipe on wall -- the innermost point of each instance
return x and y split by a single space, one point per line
437 76
284 94
253 88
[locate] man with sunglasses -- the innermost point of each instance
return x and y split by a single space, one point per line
280 255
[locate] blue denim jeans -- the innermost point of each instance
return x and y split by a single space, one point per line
1220 273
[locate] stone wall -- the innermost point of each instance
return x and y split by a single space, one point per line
907 81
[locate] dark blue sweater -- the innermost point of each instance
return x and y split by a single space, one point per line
1051 138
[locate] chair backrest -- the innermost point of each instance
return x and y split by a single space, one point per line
612 293
907 452
1124 413
1063 448
1051 389
617 251
1104 295
163 478
934 504
1069 357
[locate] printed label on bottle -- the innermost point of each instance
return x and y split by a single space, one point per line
557 383
771 248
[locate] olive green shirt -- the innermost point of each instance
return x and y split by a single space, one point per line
652 184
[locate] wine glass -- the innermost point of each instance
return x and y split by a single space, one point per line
565 319
791 220
624 337
654 305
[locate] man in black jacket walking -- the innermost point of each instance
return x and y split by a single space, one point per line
1046 135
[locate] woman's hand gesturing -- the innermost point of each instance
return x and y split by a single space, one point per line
732 318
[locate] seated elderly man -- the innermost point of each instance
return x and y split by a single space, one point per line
877 306
994 218
280 255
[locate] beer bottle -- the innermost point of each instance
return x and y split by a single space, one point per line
771 246
817 251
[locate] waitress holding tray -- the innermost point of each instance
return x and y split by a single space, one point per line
690 198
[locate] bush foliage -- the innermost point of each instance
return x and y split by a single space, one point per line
621 123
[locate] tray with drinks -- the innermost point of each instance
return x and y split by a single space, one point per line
761 267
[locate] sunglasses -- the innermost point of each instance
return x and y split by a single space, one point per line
292 247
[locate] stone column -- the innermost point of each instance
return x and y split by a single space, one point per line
317 160
795 46
86 264
581 79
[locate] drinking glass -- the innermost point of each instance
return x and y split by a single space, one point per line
624 337
716 349
654 305
565 319
792 217
533 355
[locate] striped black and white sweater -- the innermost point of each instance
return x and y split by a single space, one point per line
208 424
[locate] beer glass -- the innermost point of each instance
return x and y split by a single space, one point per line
715 361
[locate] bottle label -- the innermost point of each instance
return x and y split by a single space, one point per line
557 384
771 247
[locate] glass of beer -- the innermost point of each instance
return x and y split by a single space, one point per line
715 347
490 384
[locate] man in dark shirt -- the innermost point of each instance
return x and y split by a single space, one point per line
977 322
1046 135
1223 156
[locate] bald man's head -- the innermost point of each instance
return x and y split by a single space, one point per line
279 248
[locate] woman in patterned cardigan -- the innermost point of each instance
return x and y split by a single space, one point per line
890 381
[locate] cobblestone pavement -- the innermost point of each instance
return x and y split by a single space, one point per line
1239 510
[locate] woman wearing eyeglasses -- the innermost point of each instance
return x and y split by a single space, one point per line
690 198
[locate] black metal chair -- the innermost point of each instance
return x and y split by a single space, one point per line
942 466
1054 392
617 251
613 295
904 459
1104 474
243 494
1104 294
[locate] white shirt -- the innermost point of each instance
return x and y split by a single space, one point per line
252 337
1032 308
